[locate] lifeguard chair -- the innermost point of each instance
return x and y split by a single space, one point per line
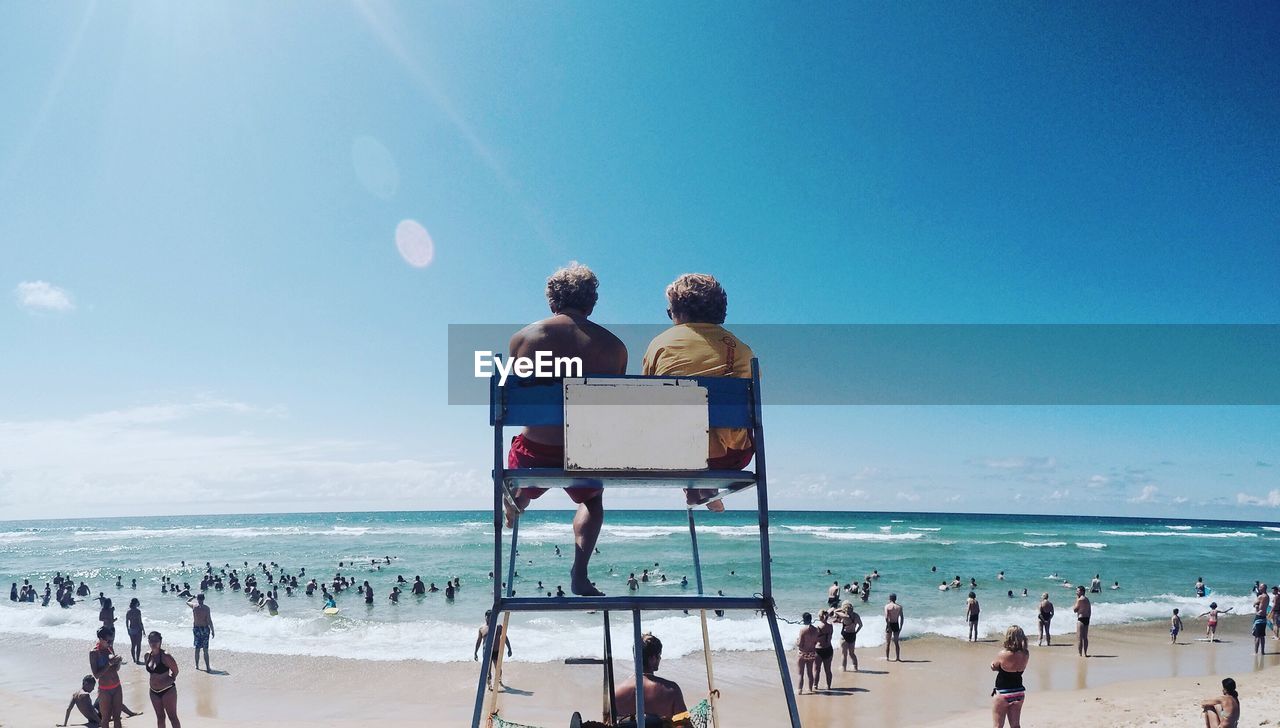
628 432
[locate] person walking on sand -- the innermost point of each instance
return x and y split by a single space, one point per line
807 661
499 638
163 672
971 610
1211 631
201 629
1083 609
133 625
850 626
1223 711
571 296
1008 693
893 621
824 649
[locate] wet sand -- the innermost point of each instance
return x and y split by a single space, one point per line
1135 675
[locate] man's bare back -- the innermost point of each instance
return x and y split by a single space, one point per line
569 334
661 696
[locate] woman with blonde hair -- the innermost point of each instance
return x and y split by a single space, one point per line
1008 694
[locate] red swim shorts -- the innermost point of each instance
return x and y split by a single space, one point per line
526 453
732 460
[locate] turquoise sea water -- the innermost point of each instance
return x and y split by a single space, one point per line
1155 561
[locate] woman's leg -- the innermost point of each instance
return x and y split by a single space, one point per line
999 709
157 706
1015 715
800 668
171 707
826 666
111 704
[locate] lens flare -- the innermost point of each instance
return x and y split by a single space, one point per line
414 243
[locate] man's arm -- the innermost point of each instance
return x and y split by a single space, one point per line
70 705
679 706
475 654
508 641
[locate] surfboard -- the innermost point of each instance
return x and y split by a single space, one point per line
331 610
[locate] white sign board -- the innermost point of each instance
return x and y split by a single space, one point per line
629 424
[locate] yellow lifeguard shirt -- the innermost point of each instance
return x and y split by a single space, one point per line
702 350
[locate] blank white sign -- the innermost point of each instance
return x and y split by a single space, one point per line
648 424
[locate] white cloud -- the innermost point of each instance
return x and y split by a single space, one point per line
43 296
1271 499
1147 495
200 456
1058 495
1042 464
909 497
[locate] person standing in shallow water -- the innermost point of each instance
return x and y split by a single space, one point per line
1044 618
133 625
1084 610
568 332
201 629
893 621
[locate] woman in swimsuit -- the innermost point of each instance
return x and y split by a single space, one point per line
163 670
107 615
133 625
105 666
1223 712
1044 618
1008 693
850 625
824 649
807 661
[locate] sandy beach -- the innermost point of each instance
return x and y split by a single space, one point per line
1135 678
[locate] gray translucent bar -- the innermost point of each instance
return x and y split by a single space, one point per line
871 364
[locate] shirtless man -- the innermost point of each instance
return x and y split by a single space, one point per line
833 594
201 629
971 611
84 701
662 697
1083 609
498 641
893 621
571 295
807 647
1224 711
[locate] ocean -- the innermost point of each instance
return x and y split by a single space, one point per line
1156 563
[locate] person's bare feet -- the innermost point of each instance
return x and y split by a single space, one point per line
582 586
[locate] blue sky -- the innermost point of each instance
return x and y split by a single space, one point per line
207 311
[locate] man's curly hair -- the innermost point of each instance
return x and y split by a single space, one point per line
573 286
697 298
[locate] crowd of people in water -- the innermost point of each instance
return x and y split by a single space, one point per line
815 644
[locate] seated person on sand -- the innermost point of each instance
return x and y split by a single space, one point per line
697 345
662 697
83 700
571 296
1224 711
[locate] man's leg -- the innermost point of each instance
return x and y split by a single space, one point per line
586 531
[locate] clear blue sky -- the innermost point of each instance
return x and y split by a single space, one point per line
206 309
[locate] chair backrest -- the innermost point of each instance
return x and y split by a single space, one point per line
529 402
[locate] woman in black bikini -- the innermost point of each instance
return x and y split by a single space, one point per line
1043 619
163 670
824 649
